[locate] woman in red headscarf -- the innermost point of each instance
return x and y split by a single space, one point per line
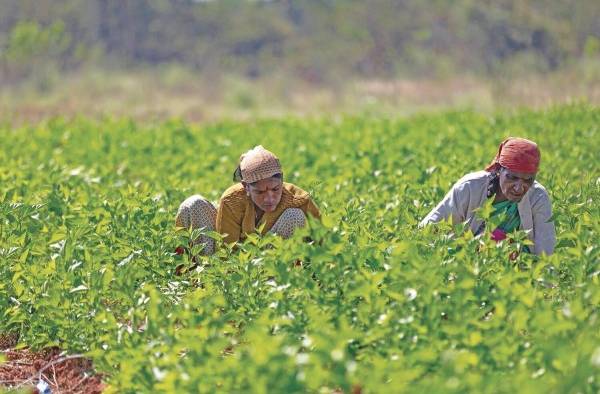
518 200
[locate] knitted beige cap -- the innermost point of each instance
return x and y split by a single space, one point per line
258 163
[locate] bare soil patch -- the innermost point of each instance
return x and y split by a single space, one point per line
23 368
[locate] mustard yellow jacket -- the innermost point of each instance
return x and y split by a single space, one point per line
236 213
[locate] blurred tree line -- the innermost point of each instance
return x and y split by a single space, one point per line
314 40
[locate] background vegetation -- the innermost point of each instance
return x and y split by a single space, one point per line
209 59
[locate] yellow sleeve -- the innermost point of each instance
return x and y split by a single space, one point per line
227 224
311 208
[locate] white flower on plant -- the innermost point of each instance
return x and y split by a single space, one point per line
410 293
158 374
351 366
337 354
302 358
596 357
289 351
538 373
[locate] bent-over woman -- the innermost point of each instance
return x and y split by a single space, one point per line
518 199
259 200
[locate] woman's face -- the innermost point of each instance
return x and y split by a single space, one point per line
514 185
266 193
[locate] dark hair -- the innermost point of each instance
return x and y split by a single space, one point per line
494 184
237 174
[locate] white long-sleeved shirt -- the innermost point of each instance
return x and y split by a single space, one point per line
470 193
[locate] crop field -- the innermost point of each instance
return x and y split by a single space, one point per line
361 302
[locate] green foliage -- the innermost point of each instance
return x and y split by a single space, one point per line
34 51
308 39
87 258
28 39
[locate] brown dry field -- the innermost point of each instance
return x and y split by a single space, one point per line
153 95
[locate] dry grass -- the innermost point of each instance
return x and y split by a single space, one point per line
154 95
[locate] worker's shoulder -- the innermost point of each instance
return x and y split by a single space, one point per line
293 189
234 195
538 193
478 179
294 192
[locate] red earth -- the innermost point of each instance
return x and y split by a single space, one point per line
22 369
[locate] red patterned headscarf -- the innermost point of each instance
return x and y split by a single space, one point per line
518 155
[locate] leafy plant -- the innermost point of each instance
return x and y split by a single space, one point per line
370 304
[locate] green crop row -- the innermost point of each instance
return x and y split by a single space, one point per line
371 304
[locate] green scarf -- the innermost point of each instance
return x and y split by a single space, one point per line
509 210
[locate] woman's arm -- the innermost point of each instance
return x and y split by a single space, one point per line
544 233
453 205
310 208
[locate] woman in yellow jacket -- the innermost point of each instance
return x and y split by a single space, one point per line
259 199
